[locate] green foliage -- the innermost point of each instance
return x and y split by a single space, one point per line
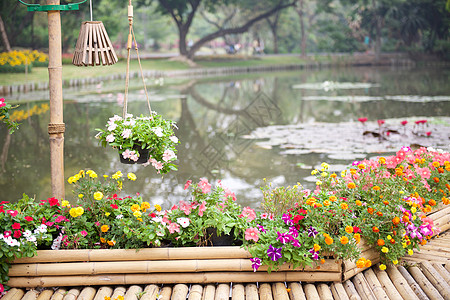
5 116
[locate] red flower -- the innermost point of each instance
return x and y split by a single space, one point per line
49 224
356 229
4 202
404 122
114 206
428 133
53 201
421 121
13 213
1 209
380 122
29 219
188 183
16 226
152 215
297 218
17 234
362 120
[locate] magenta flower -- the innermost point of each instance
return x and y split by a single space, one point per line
296 243
187 184
362 120
83 233
204 185
312 232
283 237
404 122
274 253
314 255
256 263
287 219
380 122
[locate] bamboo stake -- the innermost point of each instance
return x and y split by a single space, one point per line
196 292
374 284
222 292
59 294
436 279
208 292
103 292
400 283
413 284
279 291
425 284
442 271
72 294
151 292
351 291
180 292
31 295
45 295
251 292
324 291
338 291
265 291
132 292
311 292
238 292
296 292
387 284
87 293
363 287
118 291
166 292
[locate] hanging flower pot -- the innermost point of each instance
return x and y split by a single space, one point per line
142 140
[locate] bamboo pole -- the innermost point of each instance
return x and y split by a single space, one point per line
265 291
238 292
363 287
195 292
56 127
442 271
311 292
208 292
425 284
222 292
118 291
72 294
45 295
88 293
279 291
400 283
104 291
374 284
387 284
412 283
166 292
324 291
338 291
251 292
296 292
180 292
151 292
132 292
59 294
436 279
31 295
351 290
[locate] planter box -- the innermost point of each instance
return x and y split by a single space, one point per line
52 268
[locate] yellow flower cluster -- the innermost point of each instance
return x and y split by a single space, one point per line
76 177
23 57
18 115
76 211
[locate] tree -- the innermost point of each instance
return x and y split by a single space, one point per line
183 12
4 35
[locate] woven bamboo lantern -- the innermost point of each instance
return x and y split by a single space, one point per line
93 46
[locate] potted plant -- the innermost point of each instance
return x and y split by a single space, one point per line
142 140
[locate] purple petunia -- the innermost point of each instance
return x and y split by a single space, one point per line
312 232
287 219
293 231
274 253
296 243
261 228
314 255
256 263
284 237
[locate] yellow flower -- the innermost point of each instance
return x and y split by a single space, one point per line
344 205
145 206
104 228
107 214
325 165
65 203
385 249
117 175
410 252
344 240
105 176
358 202
314 172
80 210
316 247
120 297
382 267
332 198
73 212
98 195
131 176
357 237
80 196
93 174
318 182
326 203
395 262
137 214
324 174
349 229
119 184
158 207
135 207
389 237
343 173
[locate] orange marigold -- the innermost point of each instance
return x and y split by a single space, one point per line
344 205
328 240
376 188
432 202
385 202
357 202
316 247
392 241
436 164
436 179
382 160
104 228
379 213
357 237
370 210
344 240
349 229
396 220
360 263
445 200
351 185
380 242
375 229
367 263
332 198
102 240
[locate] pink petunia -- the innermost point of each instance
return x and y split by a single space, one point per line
362 120
425 172
404 122
185 207
204 185
380 122
83 233
2 102
252 234
29 219
248 213
202 208
187 184
173 227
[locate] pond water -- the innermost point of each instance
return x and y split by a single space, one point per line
239 129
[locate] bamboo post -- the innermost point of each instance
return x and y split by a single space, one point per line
311 292
59 294
296 292
151 292
208 292
351 291
413 284
196 292
72 294
166 292
132 292
265 291
45 295
31 295
363 287
14 294
56 127
251 292
400 283
425 284
238 292
444 273
324 291
338 291
104 291
118 291
222 292
88 293
436 279
279 291
180 292
374 284
387 284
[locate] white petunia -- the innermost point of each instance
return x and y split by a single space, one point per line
184 222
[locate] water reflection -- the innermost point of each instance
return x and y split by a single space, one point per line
215 117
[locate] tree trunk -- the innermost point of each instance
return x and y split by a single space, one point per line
378 27
300 13
4 36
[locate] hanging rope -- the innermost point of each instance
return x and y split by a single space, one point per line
131 38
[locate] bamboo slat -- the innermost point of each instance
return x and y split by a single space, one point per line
208 292
375 284
31 295
180 292
363 287
45 295
87 293
265 291
436 279
133 292
425 284
338 291
296 292
104 291
444 273
59 294
238 292
166 292
195 292
400 283
279 291
151 292
251 292
324 291
311 291
14 294
387 284
412 283
351 290
222 292
118 291
72 294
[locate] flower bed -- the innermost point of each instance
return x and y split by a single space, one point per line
375 212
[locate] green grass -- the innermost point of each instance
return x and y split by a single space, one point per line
71 72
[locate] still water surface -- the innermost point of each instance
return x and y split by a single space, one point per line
238 129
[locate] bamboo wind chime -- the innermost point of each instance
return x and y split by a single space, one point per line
93 45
